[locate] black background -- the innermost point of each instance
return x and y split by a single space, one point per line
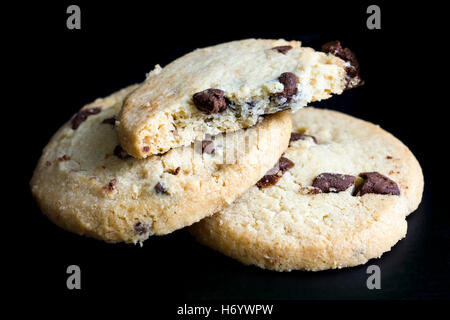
57 70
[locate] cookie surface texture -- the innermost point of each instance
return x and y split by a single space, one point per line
86 183
224 88
343 202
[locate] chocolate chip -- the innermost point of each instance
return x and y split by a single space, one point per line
282 49
160 189
375 182
274 175
111 184
335 48
141 228
388 157
120 153
146 149
290 81
111 121
210 101
352 78
48 163
301 136
208 147
268 181
333 182
81 116
285 164
331 47
64 158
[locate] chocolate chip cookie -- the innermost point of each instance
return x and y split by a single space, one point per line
228 87
338 197
86 183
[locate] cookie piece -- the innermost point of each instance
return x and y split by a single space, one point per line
225 88
86 183
314 217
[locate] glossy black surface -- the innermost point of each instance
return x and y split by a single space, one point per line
118 44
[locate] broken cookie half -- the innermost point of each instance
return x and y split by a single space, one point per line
229 87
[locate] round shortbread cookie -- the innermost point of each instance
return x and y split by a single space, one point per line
228 87
85 183
296 224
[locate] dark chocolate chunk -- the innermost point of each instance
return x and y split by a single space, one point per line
210 101
120 153
175 172
268 181
375 182
111 184
64 158
301 136
81 116
290 81
274 175
160 189
282 49
141 228
333 182
208 147
352 78
111 121
285 164
335 48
